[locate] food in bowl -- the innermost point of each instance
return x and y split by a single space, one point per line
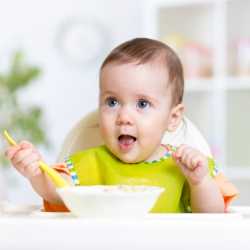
110 200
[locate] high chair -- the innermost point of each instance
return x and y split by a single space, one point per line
85 134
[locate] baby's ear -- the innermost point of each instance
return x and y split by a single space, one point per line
175 117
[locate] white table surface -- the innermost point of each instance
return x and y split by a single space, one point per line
28 228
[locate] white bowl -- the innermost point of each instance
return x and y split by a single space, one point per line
110 200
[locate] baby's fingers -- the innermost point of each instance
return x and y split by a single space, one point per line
184 155
183 168
32 170
11 151
26 144
21 155
27 163
179 150
197 161
29 158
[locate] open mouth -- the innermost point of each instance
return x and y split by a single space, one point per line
126 141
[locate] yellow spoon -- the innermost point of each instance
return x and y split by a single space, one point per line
58 181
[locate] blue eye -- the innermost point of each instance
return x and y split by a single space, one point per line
142 104
111 102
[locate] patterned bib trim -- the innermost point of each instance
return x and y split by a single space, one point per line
169 151
72 171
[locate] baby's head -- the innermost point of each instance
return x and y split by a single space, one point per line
141 91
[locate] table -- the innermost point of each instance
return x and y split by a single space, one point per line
32 229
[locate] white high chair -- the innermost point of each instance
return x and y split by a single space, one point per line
85 134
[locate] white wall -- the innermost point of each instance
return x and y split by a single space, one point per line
66 91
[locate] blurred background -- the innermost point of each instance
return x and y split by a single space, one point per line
51 51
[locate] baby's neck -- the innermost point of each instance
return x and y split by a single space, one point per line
158 153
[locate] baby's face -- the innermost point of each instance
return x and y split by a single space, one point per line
134 108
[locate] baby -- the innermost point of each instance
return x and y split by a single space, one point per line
141 92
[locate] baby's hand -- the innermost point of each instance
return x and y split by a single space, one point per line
25 157
193 164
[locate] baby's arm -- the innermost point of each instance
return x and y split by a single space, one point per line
205 193
206 197
25 158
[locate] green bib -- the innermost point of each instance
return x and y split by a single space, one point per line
98 166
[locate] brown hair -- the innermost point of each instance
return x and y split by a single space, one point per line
143 50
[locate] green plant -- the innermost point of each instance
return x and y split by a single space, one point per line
21 120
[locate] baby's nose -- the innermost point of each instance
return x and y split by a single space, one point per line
124 117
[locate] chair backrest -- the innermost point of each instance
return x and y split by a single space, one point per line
85 134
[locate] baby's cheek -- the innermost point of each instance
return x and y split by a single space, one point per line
149 142
153 134
104 132
107 132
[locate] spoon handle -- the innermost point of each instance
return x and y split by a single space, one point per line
54 176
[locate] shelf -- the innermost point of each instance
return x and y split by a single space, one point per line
237 172
237 127
199 85
238 37
202 101
238 83
206 35
208 85
181 3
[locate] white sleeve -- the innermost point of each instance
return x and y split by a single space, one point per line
187 133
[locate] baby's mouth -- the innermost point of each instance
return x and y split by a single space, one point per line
126 141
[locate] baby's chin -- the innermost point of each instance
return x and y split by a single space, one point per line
129 161
130 158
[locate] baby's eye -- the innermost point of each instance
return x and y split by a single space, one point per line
142 104
111 102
